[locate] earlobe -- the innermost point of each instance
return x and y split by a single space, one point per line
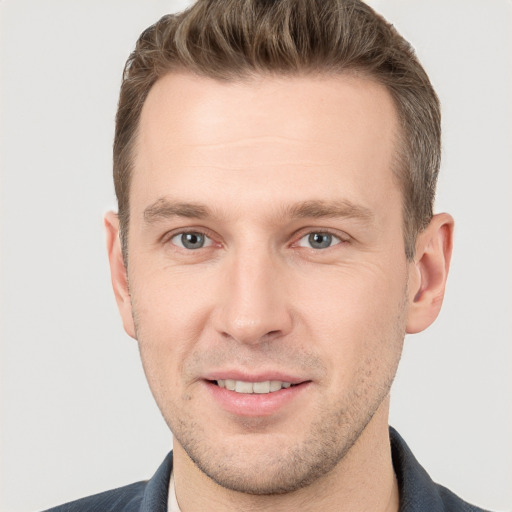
428 273
118 272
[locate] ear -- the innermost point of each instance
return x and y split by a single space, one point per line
428 273
118 272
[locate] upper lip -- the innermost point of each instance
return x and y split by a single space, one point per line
254 377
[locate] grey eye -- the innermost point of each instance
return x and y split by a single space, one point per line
191 240
319 240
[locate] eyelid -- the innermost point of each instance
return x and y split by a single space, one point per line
211 238
335 241
303 233
168 237
207 240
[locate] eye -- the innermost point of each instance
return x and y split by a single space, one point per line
319 240
191 240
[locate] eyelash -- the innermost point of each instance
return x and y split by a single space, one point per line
201 232
337 239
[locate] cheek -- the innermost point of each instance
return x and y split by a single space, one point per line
168 302
356 317
369 294
170 312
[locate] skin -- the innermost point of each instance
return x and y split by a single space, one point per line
257 167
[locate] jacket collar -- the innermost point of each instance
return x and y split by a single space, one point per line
418 493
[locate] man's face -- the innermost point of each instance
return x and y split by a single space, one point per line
266 249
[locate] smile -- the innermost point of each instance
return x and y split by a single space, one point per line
255 397
240 386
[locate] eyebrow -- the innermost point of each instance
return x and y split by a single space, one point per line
319 209
164 208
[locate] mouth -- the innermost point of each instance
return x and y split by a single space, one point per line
268 393
256 397
247 387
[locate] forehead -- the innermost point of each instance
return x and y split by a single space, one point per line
265 133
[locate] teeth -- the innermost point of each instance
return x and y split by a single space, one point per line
240 386
275 385
261 387
243 387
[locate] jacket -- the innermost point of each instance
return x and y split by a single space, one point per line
418 493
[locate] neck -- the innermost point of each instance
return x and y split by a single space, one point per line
363 480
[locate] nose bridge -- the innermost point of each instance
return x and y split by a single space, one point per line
255 307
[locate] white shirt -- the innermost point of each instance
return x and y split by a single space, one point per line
172 502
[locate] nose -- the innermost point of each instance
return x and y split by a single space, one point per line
254 305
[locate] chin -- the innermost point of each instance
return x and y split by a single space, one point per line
271 464
267 475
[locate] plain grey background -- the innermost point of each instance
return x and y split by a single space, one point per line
77 415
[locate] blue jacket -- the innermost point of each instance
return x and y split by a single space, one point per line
418 493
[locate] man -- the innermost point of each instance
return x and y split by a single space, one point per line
275 167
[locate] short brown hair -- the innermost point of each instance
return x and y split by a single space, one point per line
230 39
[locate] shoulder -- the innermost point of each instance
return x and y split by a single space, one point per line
144 496
418 493
453 503
125 499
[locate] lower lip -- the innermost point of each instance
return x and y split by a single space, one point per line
255 404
